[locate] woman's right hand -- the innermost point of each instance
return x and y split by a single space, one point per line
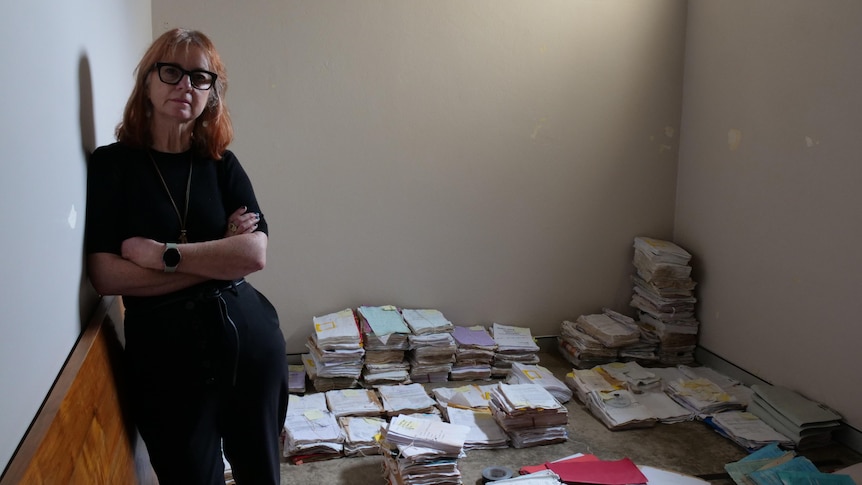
241 222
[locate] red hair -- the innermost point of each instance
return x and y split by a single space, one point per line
213 129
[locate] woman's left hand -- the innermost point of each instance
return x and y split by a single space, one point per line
241 222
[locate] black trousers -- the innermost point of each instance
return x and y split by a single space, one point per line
207 369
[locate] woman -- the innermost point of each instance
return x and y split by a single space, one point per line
173 226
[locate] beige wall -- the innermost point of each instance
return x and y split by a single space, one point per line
490 159
768 192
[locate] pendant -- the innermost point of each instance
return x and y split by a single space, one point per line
183 238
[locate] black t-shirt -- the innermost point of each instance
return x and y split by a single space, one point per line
126 197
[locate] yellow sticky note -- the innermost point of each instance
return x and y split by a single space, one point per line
313 414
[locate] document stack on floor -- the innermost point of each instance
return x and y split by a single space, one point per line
536 374
419 451
385 335
610 332
296 378
470 406
514 344
808 423
336 350
644 351
353 402
311 432
702 396
663 295
635 377
771 464
612 402
529 414
747 430
360 434
473 355
406 399
432 348
582 350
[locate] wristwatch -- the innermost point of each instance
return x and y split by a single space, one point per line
171 257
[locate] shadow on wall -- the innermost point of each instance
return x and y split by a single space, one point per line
87 296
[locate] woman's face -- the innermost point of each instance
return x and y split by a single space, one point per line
181 102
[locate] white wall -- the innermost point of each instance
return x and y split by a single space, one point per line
768 192
490 159
67 70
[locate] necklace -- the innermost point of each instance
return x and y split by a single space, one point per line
182 218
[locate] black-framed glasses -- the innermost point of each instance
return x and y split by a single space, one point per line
172 74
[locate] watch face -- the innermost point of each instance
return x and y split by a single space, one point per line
171 257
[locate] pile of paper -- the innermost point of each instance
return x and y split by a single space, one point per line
431 356
642 351
771 464
385 334
536 374
323 384
663 295
514 344
702 396
608 331
582 350
406 399
808 423
419 451
747 430
484 434
426 321
620 409
296 378
353 402
311 432
335 347
635 377
473 355
529 414
603 394
471 396
360 434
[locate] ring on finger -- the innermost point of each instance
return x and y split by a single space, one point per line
232 227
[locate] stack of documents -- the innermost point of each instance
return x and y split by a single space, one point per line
747 430
422 451
620 409
335 346
385 335
311 432
536 374
806 422
608 331
296 378
323 384
474 353
406 399
702 396
471 396
431 356
514 344
582 350
772 465
383 328
663 295
635 377
644 350
597 386
426 321
484 434
360 434
353 402
529 414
